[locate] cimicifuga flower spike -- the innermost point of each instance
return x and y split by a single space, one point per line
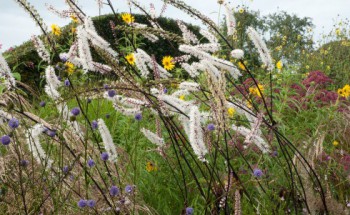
144 61
152 11
151 37
209 36
262 48
6 74
257 140
190 86
237 53
51 77
209 47
84 49
196 134
238 208
187 35
62 14
33 141
179 93
99 3
175 104
40 49
230 20
153 138
107 140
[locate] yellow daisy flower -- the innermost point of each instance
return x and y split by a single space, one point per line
150 167
279 65
231 111
335 143
56 30
70 68
130 58
182 97
168 63
128 18
74 18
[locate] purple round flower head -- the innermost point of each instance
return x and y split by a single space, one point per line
105 86
128 189
114 191
5 140
75 111
274 153
51 133
111 93
24 163
59 78
42 104
65 169
165 90
88 100
91 203
66 83
104 156
94 124
63 57
91 163
189 211
257 172
13 123
211 127
138 116
108 115
82 203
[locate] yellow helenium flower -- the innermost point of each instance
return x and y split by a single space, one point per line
335 143
241 66
128 18
56 30
231 111
70 68
168 63
255 90
150 167
279 65
130 58
74 18
341 93
182 97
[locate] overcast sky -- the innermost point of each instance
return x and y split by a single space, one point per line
16 26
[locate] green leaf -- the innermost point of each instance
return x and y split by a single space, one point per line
17 76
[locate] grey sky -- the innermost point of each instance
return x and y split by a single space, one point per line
16 26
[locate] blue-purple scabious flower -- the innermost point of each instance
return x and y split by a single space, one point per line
82 203
13 123
66 83
51 133
91 203
189 211
75 111
106 86
165 90
88 100
65 169
91 163
211 127
257 172
94 124
42 104
111 93
138 116
108 115
5 140
24 163
128 189
114 191
104 156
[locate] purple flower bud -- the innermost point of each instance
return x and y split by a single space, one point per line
13 123
128 189
82 203
66 83
59 78
94 124
51 133
91 203
5 140
91 163
111 93
75 111
65 169
42 104
105 86
114 191
24 163
257 172
189 211
108 115
138 116
104 156
211 127
88 100
165 90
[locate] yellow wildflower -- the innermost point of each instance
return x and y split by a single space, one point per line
56 30
279 65
241 66
335 143
255 90
74 18
130 58
182 97
150 167
168 63
231 111
338 32
249 104
73 30
70 68
307 67
128 18
241 10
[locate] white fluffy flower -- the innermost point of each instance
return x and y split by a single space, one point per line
154 138
107 140
40 49
187 35
230 20
5 73
237 53
190 86
196 134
